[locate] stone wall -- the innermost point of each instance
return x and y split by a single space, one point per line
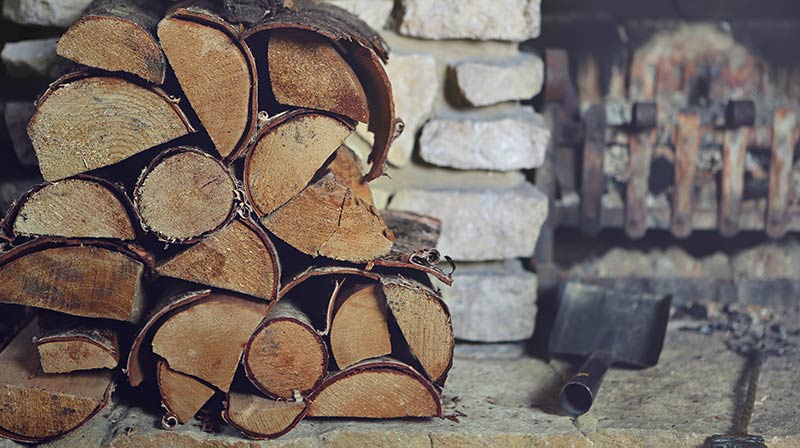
466 155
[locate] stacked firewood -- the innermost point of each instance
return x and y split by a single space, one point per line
205 230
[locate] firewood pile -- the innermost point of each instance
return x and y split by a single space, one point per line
205 235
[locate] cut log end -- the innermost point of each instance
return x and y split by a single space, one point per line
81 348
182 395
126 47
286 356
379 388
184 194
306 70
87 122
262 418
360 328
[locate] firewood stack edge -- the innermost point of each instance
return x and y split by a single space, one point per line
205 234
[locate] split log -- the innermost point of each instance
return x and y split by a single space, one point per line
286 358
185 194
216 72
81 278
83 207
67 348
306 70
286 154
182 396
360 327
414 245
424 321
262 418
239 258
328 219
38 407
118 36
379 388
220 326
346 168
84 122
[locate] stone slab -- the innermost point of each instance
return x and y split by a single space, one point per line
509 142
481 225
374 12
59 13
486 82
17 114
33 58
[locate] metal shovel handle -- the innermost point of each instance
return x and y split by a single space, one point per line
578 393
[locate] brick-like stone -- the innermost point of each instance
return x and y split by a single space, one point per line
486 82
513 20
374 12
60 13
35 57
492 303
480 225
511 142
17 115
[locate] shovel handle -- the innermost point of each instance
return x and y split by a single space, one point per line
579 392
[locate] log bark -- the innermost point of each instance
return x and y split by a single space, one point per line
424 320
38 407
66 348
335 222
82 278
217 73
306 70
85 121
220 325
286 154
82 207
127 32
239 258
379 388
262 418
182 396
185 194
286 358
360 326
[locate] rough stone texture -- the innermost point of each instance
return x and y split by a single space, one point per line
17 115
492 303
773 260
514 20
60 13
481 225
374 12
511 142
35 57
487 82
504 399
12 189
672 262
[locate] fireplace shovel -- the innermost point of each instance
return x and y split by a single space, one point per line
608 327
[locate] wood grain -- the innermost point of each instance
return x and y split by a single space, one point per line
181 395
262 418
66 349
360 326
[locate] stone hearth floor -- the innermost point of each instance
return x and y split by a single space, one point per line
503 398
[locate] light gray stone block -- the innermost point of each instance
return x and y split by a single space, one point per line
486 82
60 13
492 304
479 225
35 57
513 20
17 115
512 142
374 12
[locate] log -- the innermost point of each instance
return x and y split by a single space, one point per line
118 36
82 207
335 223
346 168
185 194
87 278
307 71
84 122
38 407
360 326
216 72
286 154
378 388
424 321
286 358
262 418
220 325
68 348
239 258
182 396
